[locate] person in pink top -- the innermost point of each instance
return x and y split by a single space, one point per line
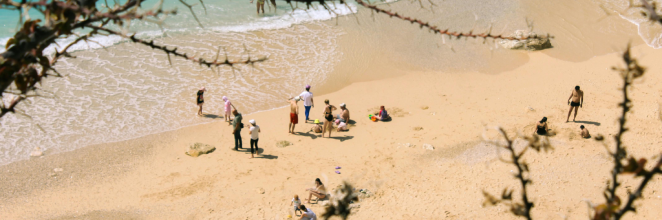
228 109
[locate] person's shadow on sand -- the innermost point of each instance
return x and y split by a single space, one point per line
588 122
307 134
212 116
343 138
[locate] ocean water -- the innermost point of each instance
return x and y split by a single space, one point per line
125 91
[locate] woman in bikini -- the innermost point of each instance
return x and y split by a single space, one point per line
328 115
319 191
200 99
260 4
541 127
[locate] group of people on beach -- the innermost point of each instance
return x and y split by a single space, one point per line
236 122
318 191
576 101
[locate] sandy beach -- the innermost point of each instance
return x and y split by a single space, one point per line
152 178
115 142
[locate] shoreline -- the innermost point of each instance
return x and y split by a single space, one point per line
151 178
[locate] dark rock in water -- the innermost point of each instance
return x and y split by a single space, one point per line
198 149
540 43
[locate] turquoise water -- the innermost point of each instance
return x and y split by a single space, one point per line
220 15
126 91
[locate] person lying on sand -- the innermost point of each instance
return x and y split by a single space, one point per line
576 96
308 214
584 132
294 114
382 115
319 191
342 126
317 128
542 127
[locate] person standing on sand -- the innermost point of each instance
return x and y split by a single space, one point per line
577 97
236 129
200 99
260 4
294 114
228 110
308 102
255 136
328 115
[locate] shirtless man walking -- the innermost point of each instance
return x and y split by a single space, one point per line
577 97
294 114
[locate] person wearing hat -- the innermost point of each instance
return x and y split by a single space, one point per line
308 102
294 114
201 100
228 109
344 113
317 128
255 136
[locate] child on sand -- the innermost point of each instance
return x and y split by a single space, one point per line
228 109
342 126
296 203
382 115
584 132
317 128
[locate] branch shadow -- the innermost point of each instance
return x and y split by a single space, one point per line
589 122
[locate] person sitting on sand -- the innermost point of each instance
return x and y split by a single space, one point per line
255 136
328 115
541 127
317 128
344 113
576 96
296 202
308 214
228 109
342 126
319 191
584 132
294 114
200 99
383 115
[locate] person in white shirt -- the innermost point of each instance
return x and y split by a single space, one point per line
308 102
296 202
255 136
307 213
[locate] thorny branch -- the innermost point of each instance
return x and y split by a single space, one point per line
534 142
612 208
648 9
24 63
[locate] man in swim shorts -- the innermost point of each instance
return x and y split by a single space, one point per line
577 97
294 114
344 113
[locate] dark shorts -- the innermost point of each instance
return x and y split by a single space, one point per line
574 104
